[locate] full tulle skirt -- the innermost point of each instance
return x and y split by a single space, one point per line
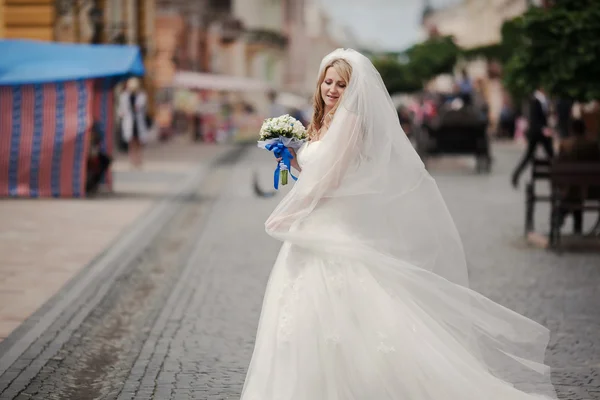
369 297
344 328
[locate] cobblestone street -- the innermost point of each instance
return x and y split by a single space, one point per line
173 314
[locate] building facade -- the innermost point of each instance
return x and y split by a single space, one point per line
475 23
279 42
472 23
29 20
83 21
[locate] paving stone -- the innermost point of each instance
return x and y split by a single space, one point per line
193 337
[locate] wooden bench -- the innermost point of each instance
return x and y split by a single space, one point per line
540 171
575 186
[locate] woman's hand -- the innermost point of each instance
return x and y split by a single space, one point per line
294 160
291 151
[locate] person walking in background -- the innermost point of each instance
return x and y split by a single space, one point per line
478 98
465 85
307 111
578 148
98 160
563 114
538 133
508 119
132 114
275 109
299 115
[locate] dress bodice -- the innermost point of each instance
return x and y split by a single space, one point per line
307 152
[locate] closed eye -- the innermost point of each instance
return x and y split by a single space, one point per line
339 84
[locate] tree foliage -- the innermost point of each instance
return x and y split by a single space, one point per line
424 61
433 57
397 77
558 48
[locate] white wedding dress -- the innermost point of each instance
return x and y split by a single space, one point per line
368 298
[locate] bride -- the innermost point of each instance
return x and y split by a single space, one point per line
369 298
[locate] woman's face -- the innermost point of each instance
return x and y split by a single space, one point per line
332 88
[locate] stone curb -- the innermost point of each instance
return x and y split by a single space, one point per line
28 348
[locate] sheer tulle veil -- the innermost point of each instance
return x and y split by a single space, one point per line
368 176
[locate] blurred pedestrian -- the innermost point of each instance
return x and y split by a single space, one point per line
578 148
198 126
538 133
299 115
465 85
132 113
275 108
98 160
307 111
405 120
508 119
478 98
563 114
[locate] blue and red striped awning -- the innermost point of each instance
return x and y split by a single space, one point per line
46 113
44 139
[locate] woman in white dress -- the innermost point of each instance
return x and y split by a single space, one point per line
368 298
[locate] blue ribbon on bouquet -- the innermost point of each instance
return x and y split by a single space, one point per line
280 151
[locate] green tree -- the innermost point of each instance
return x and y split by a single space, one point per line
559 49
433 57
424 61
397 77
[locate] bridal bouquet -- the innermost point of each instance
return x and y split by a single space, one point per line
276 135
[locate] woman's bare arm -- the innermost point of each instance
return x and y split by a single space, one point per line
294 161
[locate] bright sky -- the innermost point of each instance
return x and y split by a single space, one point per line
388 24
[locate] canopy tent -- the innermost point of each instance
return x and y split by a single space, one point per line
50 94
207 81
32 62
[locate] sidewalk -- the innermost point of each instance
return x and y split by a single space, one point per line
46 242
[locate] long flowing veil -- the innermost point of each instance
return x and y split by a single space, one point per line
369 180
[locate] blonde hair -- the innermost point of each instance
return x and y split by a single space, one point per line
319 119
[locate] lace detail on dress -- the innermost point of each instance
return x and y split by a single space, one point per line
384 346
289 297
335 277
333 339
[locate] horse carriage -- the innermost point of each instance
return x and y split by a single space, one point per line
455 132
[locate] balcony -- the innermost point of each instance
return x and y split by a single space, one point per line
231 29
267 38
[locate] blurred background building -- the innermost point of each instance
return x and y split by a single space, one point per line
474 25
277 42
208 59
